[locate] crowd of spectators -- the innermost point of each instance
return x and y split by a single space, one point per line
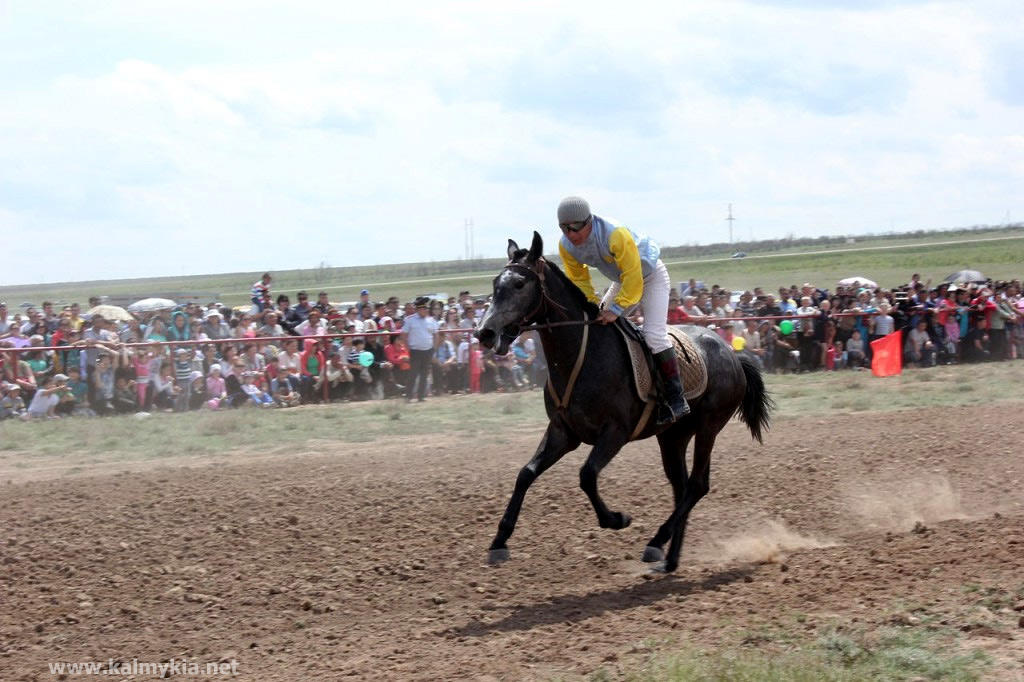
269 354
276 354
806 328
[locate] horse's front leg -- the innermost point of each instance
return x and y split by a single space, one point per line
556 442
606 448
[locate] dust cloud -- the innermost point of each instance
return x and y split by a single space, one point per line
899 505
766 544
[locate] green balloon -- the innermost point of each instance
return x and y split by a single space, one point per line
786 327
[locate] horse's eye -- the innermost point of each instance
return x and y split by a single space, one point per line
520 284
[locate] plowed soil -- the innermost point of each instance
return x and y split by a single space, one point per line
370 562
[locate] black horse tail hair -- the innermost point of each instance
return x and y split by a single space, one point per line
757 404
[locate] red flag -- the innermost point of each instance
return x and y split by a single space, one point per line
887 355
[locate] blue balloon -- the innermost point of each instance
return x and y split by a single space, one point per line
366 358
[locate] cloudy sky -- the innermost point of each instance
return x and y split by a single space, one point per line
146 138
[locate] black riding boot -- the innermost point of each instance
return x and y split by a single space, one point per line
675 405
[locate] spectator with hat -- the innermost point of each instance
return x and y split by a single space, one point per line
11 403
420 333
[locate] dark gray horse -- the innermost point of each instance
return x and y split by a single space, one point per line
593 401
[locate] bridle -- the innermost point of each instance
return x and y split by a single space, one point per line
561 402
545 302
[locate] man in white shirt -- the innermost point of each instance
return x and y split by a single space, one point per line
313 325
420 332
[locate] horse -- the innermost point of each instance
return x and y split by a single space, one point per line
589 398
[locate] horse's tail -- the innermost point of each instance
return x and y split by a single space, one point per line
757 404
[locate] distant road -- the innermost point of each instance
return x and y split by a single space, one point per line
490 275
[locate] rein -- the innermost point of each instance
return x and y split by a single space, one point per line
561 401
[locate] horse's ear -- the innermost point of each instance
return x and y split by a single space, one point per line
536 248
512 248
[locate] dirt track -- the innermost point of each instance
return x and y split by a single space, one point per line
370 563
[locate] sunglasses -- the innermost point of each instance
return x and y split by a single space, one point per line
574 227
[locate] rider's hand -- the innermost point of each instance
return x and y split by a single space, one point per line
607 317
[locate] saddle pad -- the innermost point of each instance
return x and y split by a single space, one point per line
692 370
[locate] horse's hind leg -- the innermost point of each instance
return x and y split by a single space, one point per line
697 486
556 442
673 443
598 459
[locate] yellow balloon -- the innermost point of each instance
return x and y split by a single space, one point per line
739 343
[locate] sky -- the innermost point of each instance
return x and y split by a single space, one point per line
156 138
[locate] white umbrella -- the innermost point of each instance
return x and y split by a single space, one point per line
109 312
149 305
848 282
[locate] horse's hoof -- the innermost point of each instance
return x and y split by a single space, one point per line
661 568
497 556
617 521
653 554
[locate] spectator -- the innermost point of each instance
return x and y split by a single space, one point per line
216 389
102 398
257 396
79 390
11 403
260 293
338 376
126 397
397 353
323 303
301 310
919 348
214 326
855 351
311 365
420 332
5 323
313 325
284 314
197 394
805 329
179 329
44 402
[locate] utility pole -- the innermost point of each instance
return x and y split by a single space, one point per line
730 219
468 238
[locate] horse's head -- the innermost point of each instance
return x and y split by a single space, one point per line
517 296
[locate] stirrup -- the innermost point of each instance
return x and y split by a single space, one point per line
668 415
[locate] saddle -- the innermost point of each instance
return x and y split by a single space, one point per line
693 372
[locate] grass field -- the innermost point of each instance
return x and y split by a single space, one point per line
769 268
246 433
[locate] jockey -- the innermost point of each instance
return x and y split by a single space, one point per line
638 276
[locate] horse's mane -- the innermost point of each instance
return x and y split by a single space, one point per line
575 293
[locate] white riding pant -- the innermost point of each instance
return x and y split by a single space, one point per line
653 303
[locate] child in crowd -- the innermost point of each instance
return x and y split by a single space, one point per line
79 392
257 396
197 396
216 390
103 383
165 392
143 361
126 397
44 402
11 404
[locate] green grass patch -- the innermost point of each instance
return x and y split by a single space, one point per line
887 654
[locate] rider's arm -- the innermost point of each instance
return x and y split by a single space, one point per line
578 272
627 258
